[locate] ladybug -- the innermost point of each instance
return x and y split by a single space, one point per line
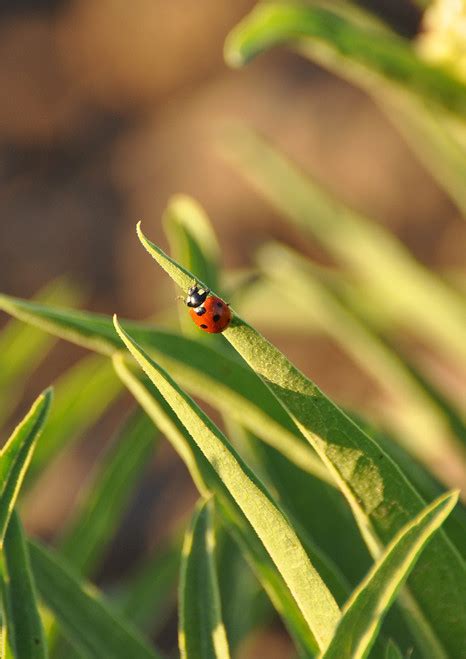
208 312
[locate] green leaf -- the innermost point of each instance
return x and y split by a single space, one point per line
85 618
82 394
204 371
363 613
337 42
201 632
386 273
16 455
106 498
381 498
312 596
23 623
317 511
411 409
208 481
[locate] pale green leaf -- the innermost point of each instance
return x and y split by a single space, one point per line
363 613
312 596
208 481
381 498
409 407
201 632
16 455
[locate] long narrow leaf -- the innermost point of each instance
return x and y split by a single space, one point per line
86 620
207 482
313 598
363 613
414 412
16 456
23 623
213 376
381 498
201 632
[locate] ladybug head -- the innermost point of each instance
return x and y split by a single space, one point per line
196 296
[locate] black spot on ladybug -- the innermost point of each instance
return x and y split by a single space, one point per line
216 318
219 304
200 311
204 326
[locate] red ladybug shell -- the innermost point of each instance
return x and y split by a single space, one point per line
212 316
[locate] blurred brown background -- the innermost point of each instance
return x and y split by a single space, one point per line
109 107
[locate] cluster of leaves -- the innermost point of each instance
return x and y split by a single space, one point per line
335 521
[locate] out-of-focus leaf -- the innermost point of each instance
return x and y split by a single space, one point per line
213 376
85 618
363 613
381 498
207 481
392 651
337 42
106 499
145 596
82 394
386 273
23 623
23 348
192 239
201 632
278 537
16 455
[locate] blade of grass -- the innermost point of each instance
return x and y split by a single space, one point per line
16 455
105 500
201 632
381 498
23 622
375 56
386 273
213 376
85 618
236 523
312 596
82 395
362 615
